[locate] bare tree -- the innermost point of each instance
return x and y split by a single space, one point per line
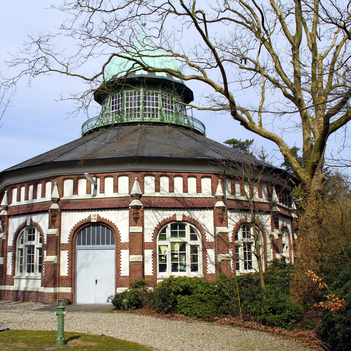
263 190
292 58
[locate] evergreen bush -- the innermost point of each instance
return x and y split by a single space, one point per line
335 327
175 294
138 295
278 310
200 305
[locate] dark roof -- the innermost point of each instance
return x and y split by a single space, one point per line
138 141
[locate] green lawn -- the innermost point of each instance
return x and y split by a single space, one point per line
41 340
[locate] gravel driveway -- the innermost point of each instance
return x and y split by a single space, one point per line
157 333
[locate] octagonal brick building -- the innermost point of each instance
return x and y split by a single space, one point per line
142 194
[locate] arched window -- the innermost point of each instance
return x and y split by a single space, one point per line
29 252
95 235
179 250
245 237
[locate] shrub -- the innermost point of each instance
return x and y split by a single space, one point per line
335 327
138 295
278 310
241 292
200 305
278 274
182 294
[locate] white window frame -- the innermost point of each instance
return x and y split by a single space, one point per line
245 259
169 236
29 253
116 103
151 104
133 104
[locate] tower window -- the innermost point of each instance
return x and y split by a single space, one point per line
132 104
117 103
151 104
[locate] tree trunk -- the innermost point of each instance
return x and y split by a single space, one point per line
308 246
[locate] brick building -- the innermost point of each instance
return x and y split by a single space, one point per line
142 194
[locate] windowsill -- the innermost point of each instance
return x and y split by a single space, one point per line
166 275
32 277
29 202
183 195
96 196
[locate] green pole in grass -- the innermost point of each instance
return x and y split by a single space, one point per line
60 313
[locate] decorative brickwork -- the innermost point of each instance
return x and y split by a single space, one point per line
219 246
70 280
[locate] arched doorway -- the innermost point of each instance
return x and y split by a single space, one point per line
95 264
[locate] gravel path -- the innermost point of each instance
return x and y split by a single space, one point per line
157 333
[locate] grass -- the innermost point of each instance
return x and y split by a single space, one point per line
46 340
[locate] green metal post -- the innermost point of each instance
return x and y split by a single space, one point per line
60 313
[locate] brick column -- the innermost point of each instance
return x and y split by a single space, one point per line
3 243
51 271
223 257
136 234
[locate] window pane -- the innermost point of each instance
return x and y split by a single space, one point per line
167 107
194 258
162 258
151 105
245 232
40 260
30 259
20 261
247 256
108 237
30 234
162 236
174 230
116 103
178 257
132 104
177 230
193 235
237 258
112 237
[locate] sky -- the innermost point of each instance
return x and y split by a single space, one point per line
36 121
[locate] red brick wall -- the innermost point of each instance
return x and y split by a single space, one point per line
136 246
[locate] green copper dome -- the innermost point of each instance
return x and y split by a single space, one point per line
122 66
130 94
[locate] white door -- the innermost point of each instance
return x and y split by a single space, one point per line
95 265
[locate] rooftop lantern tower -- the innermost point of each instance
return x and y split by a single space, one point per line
130 94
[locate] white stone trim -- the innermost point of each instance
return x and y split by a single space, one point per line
222 230
124 262
121 290
64 263
50 259
210 261
53 232
9 263
41 289
136 230
136 258
224 257
148 268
